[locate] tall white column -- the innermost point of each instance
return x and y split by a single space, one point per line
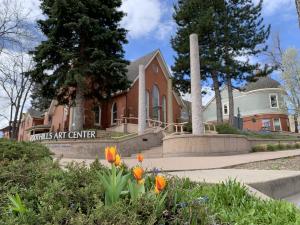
170 105
142 101
197 117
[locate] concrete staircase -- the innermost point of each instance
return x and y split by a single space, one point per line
155 152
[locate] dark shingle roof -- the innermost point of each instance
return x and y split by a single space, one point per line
133 67
261 83
35 113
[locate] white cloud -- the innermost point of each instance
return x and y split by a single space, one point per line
147 17
205 98
271 7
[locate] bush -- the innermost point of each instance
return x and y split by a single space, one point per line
226 129
259 148
271 147
13 150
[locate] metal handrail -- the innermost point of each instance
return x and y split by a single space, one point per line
179 127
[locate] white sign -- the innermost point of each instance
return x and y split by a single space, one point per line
85 134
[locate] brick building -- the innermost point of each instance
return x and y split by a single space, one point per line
105 114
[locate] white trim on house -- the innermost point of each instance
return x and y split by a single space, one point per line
277 103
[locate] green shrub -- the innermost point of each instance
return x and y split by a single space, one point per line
297 145
13 150
271 147
259 148
226 129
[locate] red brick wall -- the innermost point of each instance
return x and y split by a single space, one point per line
254 123
27 123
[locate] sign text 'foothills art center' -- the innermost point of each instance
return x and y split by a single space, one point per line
85 134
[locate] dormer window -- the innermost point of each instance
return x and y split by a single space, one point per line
273 101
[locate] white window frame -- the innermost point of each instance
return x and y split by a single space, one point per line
223 109
279 123
100 111
270 95
112 113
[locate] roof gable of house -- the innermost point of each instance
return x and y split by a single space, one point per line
133 67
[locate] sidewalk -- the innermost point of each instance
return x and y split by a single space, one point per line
198 163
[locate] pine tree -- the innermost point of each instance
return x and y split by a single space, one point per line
201 17
243 34
83 50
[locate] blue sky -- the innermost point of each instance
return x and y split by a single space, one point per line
151 26
158 27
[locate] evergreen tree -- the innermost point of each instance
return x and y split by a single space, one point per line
83 50
203 18
243 34
39 102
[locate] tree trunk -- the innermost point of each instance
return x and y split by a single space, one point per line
78 113
296 123
219 110
231 103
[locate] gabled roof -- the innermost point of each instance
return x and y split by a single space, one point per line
261 83
133 67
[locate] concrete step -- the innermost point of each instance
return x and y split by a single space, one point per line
155 152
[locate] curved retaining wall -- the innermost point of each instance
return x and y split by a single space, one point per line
205 145
95 148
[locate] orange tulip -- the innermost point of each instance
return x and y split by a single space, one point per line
140 157
110 154
138 173
118 160
160 183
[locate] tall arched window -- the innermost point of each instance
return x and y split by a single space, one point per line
147 104
114 113
164 109
97 113
155 103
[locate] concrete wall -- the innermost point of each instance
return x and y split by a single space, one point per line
280 188
214 144
96 148
205 145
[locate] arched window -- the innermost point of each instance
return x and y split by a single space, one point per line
97 113
114 113
147 104
155 103
164 109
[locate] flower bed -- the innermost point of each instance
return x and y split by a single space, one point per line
37 191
